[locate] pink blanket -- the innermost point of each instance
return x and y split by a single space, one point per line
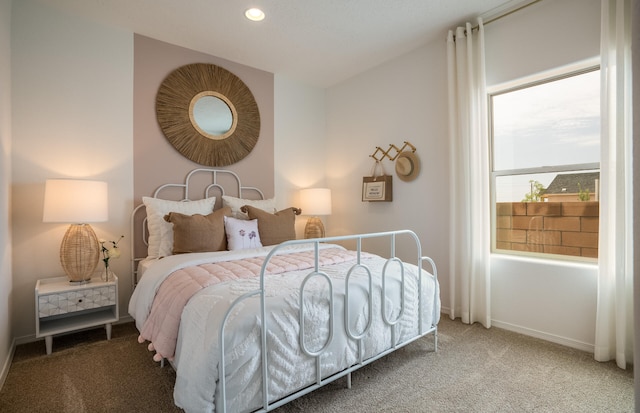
161 327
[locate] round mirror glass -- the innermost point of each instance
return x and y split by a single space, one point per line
212 115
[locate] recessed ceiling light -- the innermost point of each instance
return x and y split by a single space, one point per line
254 14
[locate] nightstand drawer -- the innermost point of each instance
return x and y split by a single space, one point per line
79 300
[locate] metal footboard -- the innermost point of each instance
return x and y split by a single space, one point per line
357 336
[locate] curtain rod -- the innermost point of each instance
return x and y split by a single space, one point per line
505 14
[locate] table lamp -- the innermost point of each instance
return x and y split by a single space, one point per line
77 202
315 201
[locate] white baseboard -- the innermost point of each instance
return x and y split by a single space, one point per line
569 342
7 364
125 319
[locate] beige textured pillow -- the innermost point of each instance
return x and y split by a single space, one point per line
161 232
236 205
198 233
274 228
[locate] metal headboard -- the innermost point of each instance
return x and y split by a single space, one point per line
213 183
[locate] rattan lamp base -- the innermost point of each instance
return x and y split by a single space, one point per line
79 252
314 228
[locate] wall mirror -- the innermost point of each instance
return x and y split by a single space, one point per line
213 115
208 114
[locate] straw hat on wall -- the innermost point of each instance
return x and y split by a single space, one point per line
407 166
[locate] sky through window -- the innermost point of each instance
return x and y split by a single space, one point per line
551 124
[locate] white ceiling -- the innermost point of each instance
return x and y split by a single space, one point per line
318 42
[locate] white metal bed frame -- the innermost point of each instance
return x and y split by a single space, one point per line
320 381
357 336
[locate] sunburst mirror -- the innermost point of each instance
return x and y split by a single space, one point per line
208 114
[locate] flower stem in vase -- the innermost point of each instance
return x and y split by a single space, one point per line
107 274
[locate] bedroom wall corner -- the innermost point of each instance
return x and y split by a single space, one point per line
635 46
6 282
300 146
72 116
403 99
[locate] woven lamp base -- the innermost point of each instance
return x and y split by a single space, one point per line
79 252
314 228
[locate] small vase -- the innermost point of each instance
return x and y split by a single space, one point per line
107 275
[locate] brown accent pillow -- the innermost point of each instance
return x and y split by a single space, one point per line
274 228
198 233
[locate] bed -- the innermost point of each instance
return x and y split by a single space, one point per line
252 322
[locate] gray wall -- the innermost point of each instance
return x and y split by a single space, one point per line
6 283
635 44
72 117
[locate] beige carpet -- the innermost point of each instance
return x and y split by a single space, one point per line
474 370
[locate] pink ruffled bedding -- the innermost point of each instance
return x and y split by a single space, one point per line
162 325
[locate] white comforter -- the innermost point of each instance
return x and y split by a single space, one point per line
197 351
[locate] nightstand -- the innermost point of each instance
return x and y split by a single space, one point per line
62 306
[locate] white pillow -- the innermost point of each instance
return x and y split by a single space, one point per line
241 233
268 205
160 231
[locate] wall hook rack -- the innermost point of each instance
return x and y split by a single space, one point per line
379 154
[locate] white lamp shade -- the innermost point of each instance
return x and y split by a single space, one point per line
75 201
315 201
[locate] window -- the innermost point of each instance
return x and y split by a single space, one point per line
545 166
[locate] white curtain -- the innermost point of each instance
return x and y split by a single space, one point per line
614 317
469 174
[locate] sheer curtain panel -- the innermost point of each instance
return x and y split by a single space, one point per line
469 169
614 317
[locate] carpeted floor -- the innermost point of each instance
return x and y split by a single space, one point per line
87 373
474 370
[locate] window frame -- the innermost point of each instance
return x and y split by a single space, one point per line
524 83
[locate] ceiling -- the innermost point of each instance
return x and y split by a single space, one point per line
318 42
